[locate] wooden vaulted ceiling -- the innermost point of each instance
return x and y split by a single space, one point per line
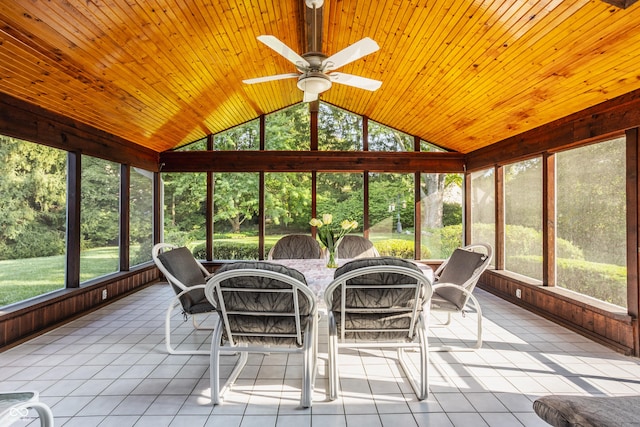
462 74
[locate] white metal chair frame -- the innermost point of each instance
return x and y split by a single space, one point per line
15 406
175 301
419 324
467 289
307 339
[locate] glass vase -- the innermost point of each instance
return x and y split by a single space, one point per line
331 262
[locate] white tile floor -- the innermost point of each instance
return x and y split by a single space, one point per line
109 368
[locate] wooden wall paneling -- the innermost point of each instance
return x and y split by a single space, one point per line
74 171
560 306
548 220
18 324
633 234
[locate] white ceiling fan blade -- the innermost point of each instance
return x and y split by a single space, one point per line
271 78
284 50
349 54
309 97
355 81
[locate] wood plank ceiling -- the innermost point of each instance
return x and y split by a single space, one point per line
461 74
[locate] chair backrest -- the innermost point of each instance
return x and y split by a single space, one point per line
463 268
296 246
261 303
180 268
378 299
354 247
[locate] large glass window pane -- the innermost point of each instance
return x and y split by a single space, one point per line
140 216
199 145
391 214
341 195
441 211
591 221
185 210
99 218
523 218
384 138
483 208
243 137
236 198
288 129
32 219
287 205
338 129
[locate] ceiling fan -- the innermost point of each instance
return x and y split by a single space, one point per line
315 70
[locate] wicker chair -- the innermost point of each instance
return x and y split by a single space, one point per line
296 246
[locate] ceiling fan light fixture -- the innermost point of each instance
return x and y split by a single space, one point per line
314 83
311 3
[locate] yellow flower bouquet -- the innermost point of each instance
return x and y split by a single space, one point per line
330 235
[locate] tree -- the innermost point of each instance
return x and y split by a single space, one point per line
33 202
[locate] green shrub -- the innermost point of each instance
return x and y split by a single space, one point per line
605 282
233 250
395 247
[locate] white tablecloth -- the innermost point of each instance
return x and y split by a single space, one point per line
318 276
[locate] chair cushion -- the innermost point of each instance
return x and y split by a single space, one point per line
352 246
262 302
184 267
584 411
395 301
296 246
459 268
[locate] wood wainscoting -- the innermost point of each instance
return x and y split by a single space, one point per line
23 321
604 323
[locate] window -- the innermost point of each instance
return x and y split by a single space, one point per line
32 219
199 145
391 214
441 214
338 129
243 137
99 218
591 221
287 205
140 216
341 194
384 138
483 208
236 208
288 129
185 209
523 218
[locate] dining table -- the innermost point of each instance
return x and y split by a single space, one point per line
318 276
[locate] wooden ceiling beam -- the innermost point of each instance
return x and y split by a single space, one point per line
312 31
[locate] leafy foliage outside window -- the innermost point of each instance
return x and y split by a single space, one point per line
384 138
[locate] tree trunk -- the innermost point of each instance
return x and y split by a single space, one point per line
431 199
